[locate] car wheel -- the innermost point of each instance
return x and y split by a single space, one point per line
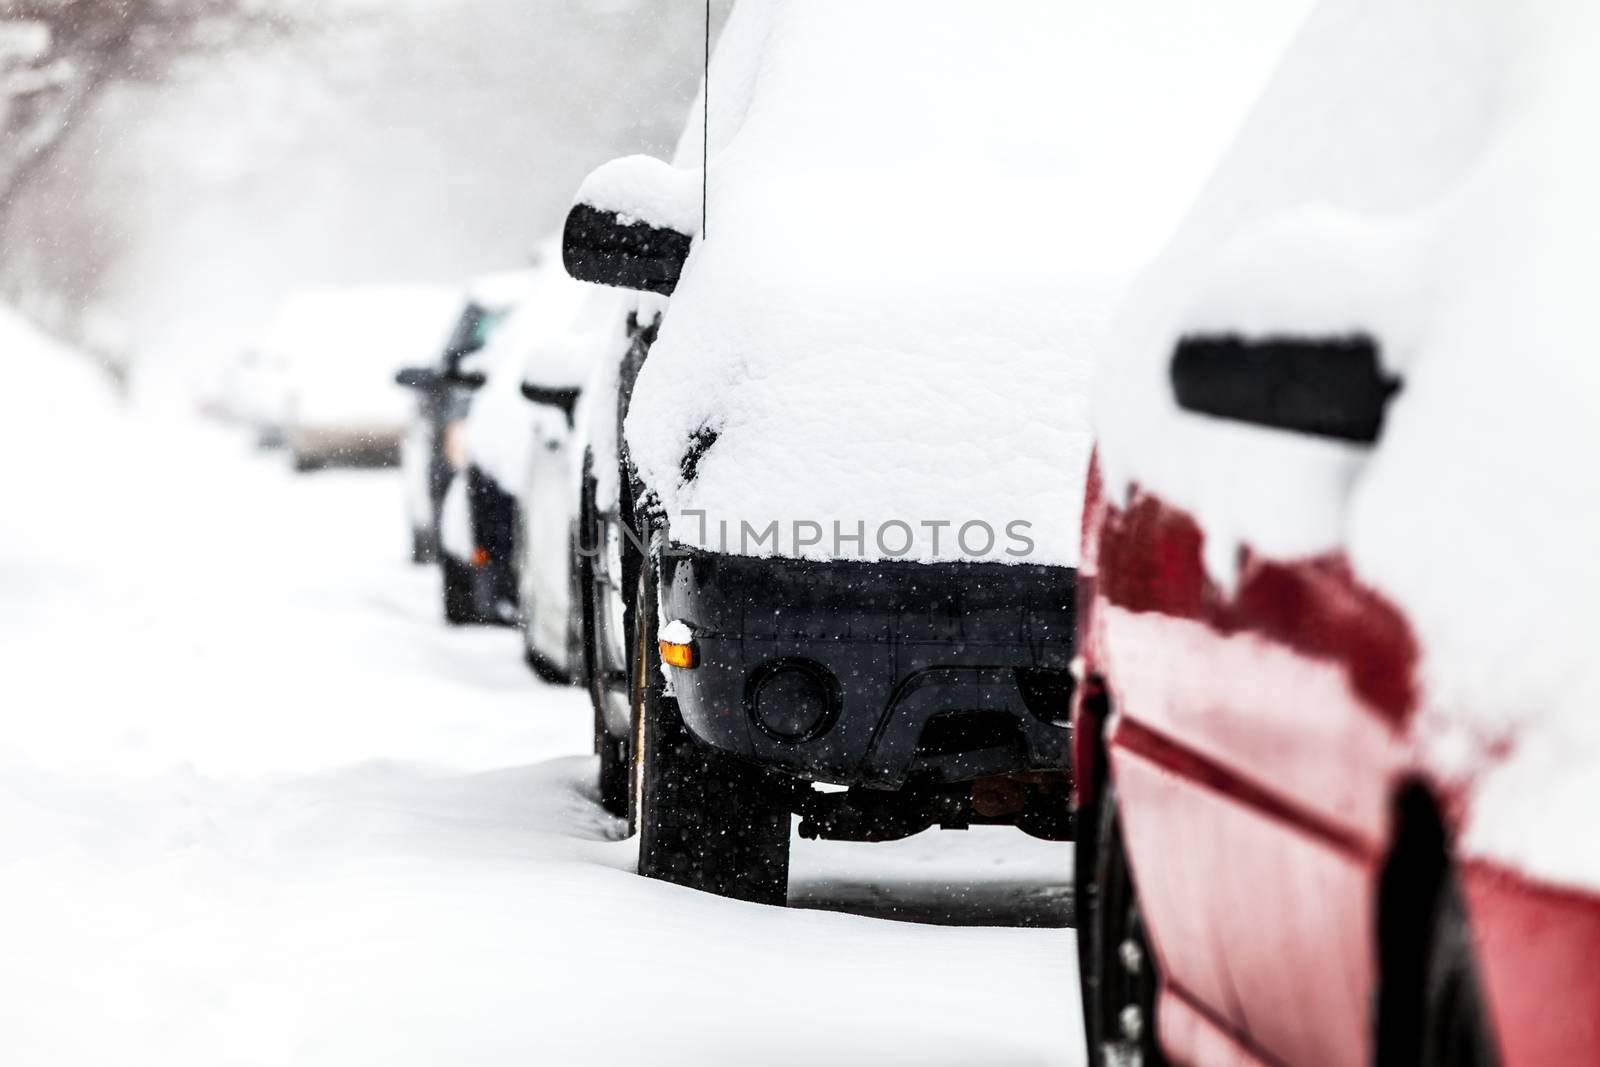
459 609
1455 1027
615 771
1119 979
423 549
541 667
705 820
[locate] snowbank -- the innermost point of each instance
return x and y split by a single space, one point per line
258 806
1424 173
921 215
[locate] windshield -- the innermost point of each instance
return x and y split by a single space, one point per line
473 330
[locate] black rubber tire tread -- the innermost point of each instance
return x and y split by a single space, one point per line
459 609
1455 1025
1115 895
423 549
1085 898
540 666
615 772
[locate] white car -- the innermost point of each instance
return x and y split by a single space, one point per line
483 510
433 450
340 350
552 382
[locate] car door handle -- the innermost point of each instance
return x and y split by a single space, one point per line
1331 386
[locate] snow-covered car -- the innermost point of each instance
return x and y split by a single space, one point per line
253 391
433 448
1337 735
599 542
852 462
482 522
341 350
547 550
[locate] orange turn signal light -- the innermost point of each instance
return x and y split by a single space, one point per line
480 557
674 654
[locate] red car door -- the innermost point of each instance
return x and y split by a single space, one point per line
1256 732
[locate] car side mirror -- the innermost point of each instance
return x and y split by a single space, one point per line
632 225
467 379
417 377
564 399
1322 386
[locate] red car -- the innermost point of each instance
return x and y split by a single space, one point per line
1337 724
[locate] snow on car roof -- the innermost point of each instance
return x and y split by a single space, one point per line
340 348
535 344
384 326
1423 173
920 216
502 289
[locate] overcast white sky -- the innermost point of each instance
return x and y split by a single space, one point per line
417 140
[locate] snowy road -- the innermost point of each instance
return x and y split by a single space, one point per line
257 806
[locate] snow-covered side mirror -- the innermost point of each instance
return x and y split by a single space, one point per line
632 225
564 400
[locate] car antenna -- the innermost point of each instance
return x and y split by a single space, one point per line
705 130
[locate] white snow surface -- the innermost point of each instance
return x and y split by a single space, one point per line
921 215
341 348
258 806
645 189
1424 172
455 521
677 632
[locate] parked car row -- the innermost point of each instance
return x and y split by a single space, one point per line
317 382
1153 437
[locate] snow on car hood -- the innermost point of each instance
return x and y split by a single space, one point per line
1426 173
920 218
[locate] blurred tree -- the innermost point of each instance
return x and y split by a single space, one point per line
55 55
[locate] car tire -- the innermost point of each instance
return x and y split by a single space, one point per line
615 754
1118 973
1455 1025
705 820
541 667
459 608
423 548
616 770
1085 859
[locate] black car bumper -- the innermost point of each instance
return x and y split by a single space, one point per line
942 672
